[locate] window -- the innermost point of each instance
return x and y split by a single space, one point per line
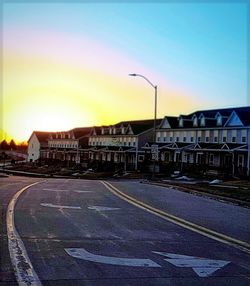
191 139
181 122
216 133
184 139
207 135
177 136
140 158
243 136
203 122
177 157
199 136
234 134
224 136
211 159
241 161
243 139
219 120
170 139
158 139
195 121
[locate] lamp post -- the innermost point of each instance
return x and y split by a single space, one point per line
155 108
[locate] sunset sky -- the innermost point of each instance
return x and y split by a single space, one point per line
66 65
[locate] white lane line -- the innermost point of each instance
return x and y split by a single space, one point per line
81 253
203 267
101 208
24 271
59 206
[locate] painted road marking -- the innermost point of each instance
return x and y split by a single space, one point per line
81 253
242 245
203 267
101 208
24 271
76 191
59 206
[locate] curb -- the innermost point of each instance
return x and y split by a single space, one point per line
202 194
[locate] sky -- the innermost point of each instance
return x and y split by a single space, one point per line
66 64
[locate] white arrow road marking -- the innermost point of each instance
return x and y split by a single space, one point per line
203 267
59 206
76 191
100 208
81 253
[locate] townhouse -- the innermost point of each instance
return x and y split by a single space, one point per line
70 147
37 143
216 140
119 146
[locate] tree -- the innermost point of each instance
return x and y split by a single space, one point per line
12 145
4 145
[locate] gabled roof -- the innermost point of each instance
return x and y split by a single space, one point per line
169 122
81 131
42 136
242 112
140 126
238 116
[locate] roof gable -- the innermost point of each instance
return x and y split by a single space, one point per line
165 123
233 120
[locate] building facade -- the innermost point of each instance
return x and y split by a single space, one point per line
119 146
37 143
68 147
211 140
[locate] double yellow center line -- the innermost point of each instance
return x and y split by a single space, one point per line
244 246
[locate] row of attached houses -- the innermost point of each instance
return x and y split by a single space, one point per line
216 140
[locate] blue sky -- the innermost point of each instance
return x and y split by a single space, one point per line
196 52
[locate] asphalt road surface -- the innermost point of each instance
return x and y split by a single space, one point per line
79 232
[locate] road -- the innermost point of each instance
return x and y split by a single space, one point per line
79 232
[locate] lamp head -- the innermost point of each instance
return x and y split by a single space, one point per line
133 74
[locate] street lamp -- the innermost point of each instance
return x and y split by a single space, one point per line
155 111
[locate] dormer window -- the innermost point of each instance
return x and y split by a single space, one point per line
219 120
203 121
195 121
181 122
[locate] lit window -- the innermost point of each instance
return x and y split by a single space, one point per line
203 121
